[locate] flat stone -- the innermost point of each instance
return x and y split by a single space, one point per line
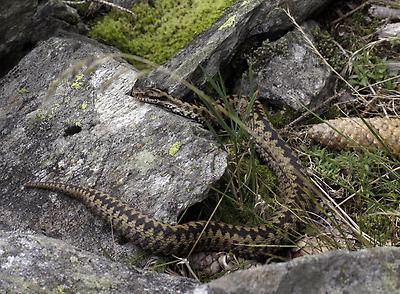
38 264
366 271
276 67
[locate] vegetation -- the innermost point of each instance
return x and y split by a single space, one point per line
365 186
161 29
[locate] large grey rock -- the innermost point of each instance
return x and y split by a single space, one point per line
83 129
38 264
374 271
288 71
25 22
214 50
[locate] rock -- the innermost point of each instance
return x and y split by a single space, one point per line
394 68
366 271
276 67
390 30
31 263
25 22
81 128
38 264
385 12
212 51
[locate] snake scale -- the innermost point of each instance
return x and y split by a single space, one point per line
180 239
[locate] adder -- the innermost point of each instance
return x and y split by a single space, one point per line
260 242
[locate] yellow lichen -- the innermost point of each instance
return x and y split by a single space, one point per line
77 123
77 83
245 2
23 90
229 22
83 105
173 150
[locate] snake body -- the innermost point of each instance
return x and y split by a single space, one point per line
181 239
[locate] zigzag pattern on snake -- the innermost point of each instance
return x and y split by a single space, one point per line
250 242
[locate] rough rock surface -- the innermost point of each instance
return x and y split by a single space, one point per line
374 271
38 264
214 49
390 30
83 129
276 67
25 22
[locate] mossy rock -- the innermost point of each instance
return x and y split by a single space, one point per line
160 30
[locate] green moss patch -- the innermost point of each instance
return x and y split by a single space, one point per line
160 30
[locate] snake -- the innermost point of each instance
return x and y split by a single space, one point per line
251 242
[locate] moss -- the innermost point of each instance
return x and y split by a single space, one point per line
138 259
331 113
269 181
160 30
353 31
267 51
281 118
328 48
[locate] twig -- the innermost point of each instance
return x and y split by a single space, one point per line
352 11
110 4
314 110
75 2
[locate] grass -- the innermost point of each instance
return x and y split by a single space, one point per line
365 185
246 177
246 183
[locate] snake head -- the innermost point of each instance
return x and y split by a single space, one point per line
177 106
150 95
